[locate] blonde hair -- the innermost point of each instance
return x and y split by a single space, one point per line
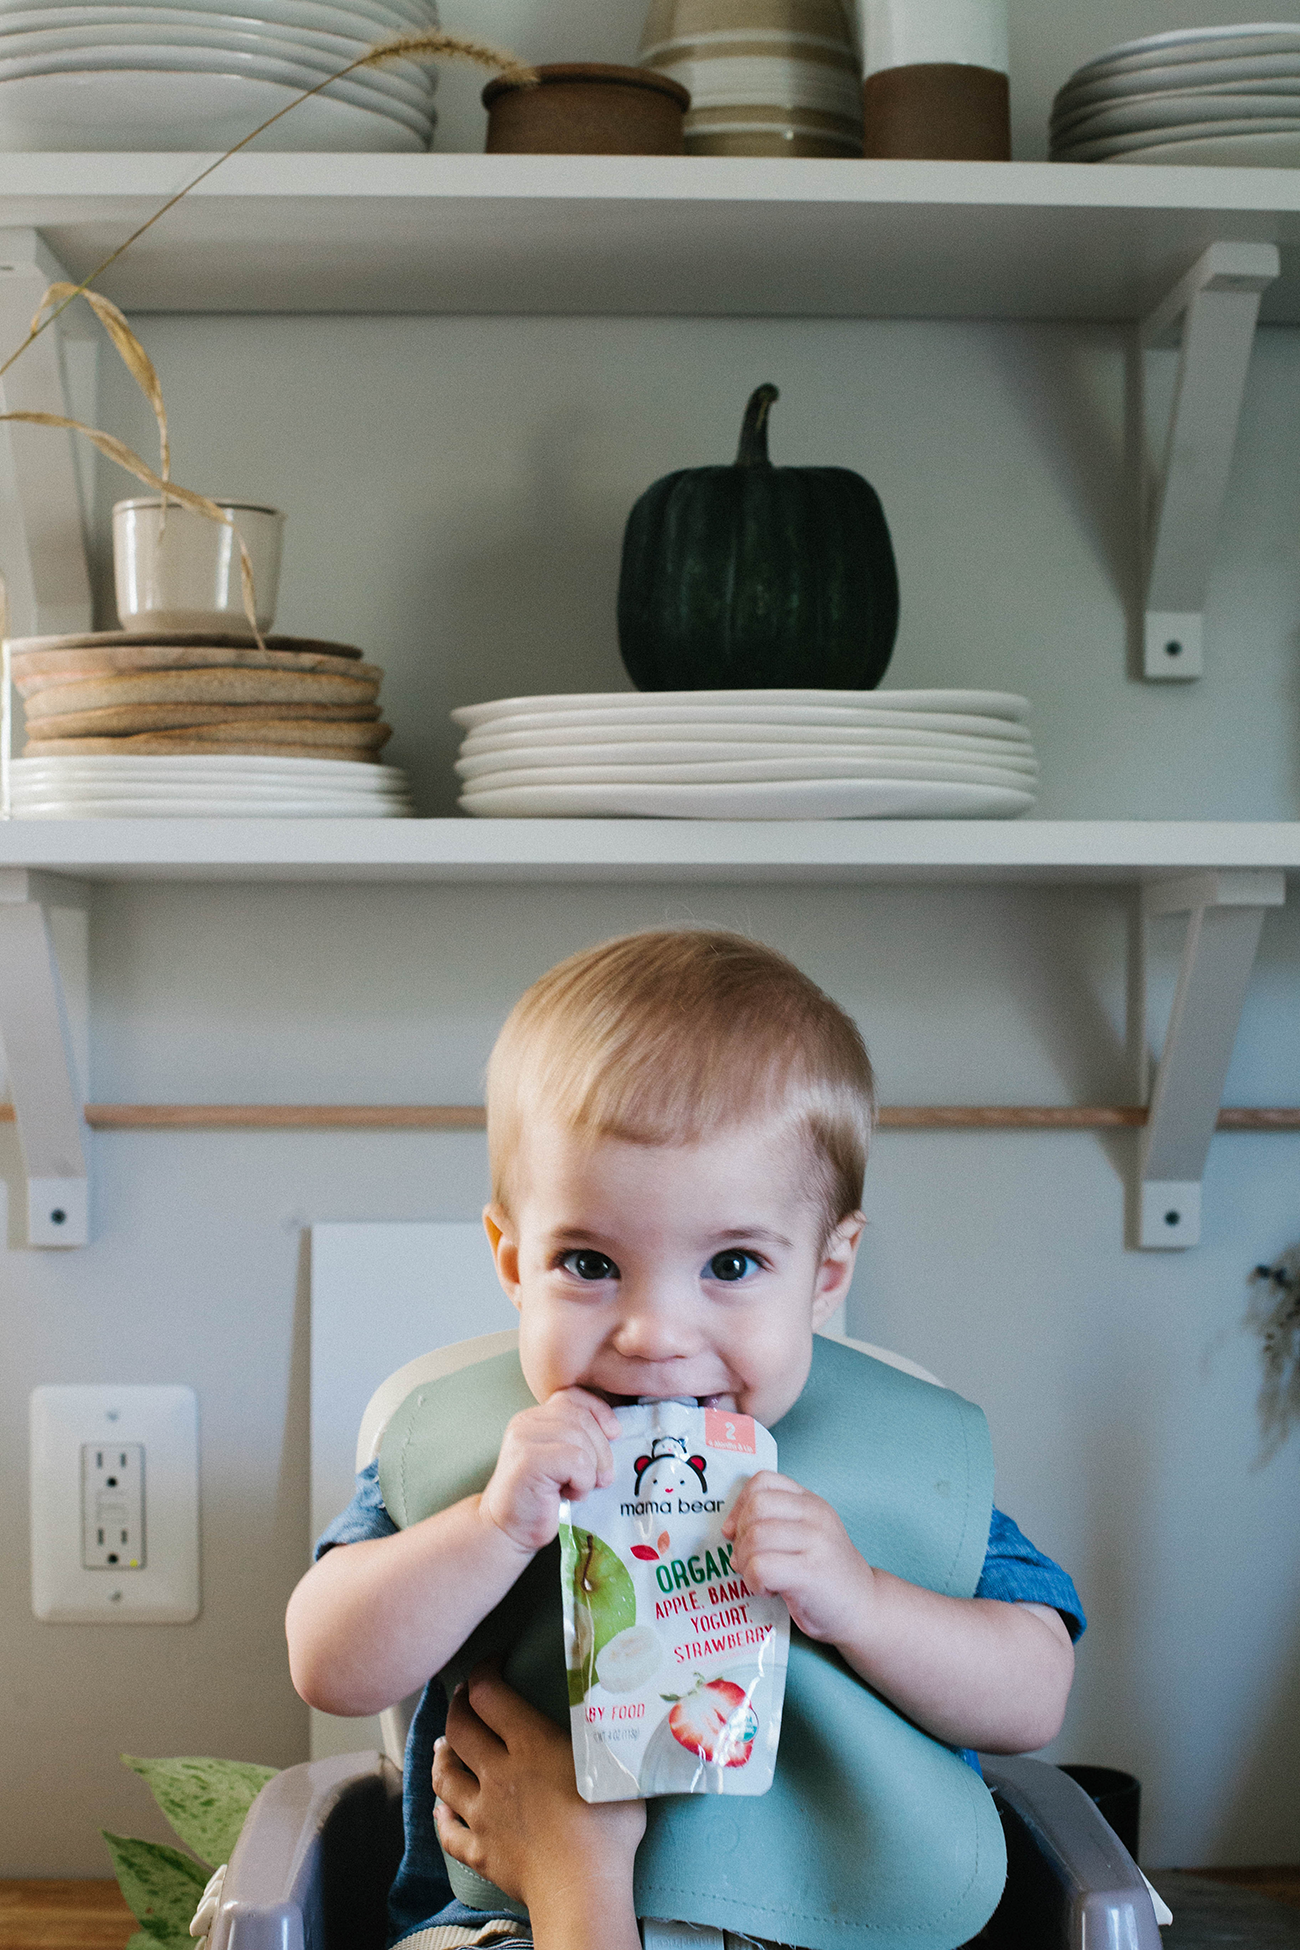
671 1036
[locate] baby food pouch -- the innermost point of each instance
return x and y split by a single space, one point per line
676 1668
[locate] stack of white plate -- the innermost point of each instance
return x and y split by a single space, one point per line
1199 95
200 74
750 755
242 787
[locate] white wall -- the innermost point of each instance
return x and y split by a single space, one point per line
456 492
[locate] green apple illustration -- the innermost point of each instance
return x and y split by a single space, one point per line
603 1598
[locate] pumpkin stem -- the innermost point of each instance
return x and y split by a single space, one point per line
753 434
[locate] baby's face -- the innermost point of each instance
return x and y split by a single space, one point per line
662 1270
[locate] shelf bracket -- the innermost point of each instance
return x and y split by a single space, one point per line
1217 305
43 923
46 482
1225 914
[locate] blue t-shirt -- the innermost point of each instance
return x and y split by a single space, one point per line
421 1896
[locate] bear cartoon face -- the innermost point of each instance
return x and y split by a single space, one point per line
668 1469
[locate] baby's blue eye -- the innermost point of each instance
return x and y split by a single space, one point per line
589 1266
731 1265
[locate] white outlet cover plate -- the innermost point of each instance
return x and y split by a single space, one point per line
166 1420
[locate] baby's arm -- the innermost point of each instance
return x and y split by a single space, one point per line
974 1672
371 1621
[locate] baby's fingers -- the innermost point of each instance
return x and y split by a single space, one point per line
753 1493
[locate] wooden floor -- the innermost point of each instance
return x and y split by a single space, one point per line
63 1916
92 1916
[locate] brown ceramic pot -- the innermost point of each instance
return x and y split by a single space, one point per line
938 110
586 108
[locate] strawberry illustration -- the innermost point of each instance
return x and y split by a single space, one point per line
714 1720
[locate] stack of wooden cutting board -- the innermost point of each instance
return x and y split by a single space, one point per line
126 693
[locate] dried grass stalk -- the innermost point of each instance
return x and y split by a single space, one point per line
59 296
117 450
134 357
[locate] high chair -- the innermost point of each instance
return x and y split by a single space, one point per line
322 1842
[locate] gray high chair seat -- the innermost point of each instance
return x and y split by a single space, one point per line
322 1842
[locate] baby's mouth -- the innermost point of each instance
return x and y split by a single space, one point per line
632 1401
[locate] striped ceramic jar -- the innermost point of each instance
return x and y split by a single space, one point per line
766 77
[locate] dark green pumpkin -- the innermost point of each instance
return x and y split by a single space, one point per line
757 577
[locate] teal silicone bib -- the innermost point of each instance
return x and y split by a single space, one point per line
872 1833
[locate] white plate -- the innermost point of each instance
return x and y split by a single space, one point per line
711 720
206 809
371 17
322 53
753 771
1193 44
308 19
1117 148
815 799
181 796
149 111
1279 71
1173 111
197 768
992 704
1273 151
478 765
192 61
674 745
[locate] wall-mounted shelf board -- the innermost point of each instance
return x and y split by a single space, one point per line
1223 876
705 236
1105 852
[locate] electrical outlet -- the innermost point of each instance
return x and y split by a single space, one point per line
112 1506
115 1505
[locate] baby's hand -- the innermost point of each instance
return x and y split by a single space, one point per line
791 1543
558 1450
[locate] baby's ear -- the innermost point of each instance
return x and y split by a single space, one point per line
835 1272
505 1249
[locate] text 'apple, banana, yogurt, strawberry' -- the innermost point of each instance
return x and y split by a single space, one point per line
676 1668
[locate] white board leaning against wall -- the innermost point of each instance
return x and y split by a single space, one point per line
381 1295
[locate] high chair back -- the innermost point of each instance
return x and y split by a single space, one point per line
395 1722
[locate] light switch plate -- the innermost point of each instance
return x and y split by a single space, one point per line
158 1430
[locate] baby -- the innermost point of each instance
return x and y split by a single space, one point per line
678 1127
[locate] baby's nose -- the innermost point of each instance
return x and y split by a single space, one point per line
653 1328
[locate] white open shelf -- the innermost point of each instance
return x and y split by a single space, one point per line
1106 852
702 236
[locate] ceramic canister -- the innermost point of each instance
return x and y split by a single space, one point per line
936 79
766 77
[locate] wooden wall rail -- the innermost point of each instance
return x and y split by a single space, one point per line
470 1117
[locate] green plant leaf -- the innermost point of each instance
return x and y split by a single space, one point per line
204 1800
162 1887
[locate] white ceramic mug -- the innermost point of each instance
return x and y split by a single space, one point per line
184 575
